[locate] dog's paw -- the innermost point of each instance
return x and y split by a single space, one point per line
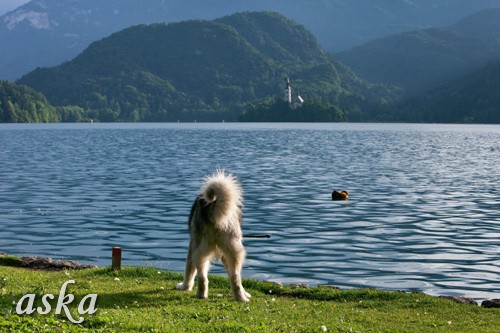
245 293
182 286
202 296
242 298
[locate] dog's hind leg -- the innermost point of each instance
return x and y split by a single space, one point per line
203 265
233 261
190 272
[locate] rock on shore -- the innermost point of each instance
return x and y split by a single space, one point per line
44 263
491 303
50 264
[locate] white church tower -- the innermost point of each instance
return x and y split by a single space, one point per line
288 96
288 91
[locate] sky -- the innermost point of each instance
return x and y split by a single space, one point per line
8 5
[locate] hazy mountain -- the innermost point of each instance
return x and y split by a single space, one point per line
9 5
204 70
46 33
419 60
474 98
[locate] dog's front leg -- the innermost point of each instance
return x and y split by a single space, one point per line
190 272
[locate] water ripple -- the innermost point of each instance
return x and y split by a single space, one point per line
423 212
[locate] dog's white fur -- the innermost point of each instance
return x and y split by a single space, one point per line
215 230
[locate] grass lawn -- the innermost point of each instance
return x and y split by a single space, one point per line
145 300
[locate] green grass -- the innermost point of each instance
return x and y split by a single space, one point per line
145 300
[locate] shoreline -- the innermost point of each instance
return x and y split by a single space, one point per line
48 264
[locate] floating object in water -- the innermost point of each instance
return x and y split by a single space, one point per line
256 236
343 195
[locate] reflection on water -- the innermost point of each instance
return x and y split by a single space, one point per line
423 214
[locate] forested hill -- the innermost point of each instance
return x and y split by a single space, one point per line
23 104
474 98
277 37
201 70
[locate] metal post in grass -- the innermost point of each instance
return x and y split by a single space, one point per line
116 259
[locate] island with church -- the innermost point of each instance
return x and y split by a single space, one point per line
289 109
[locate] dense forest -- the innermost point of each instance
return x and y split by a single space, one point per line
20 104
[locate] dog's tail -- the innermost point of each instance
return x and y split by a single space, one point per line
224 194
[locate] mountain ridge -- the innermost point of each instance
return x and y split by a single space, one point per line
198 69
422 59
41 33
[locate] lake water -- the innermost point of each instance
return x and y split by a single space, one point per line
423 214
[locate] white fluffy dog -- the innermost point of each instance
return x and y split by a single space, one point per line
215 230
